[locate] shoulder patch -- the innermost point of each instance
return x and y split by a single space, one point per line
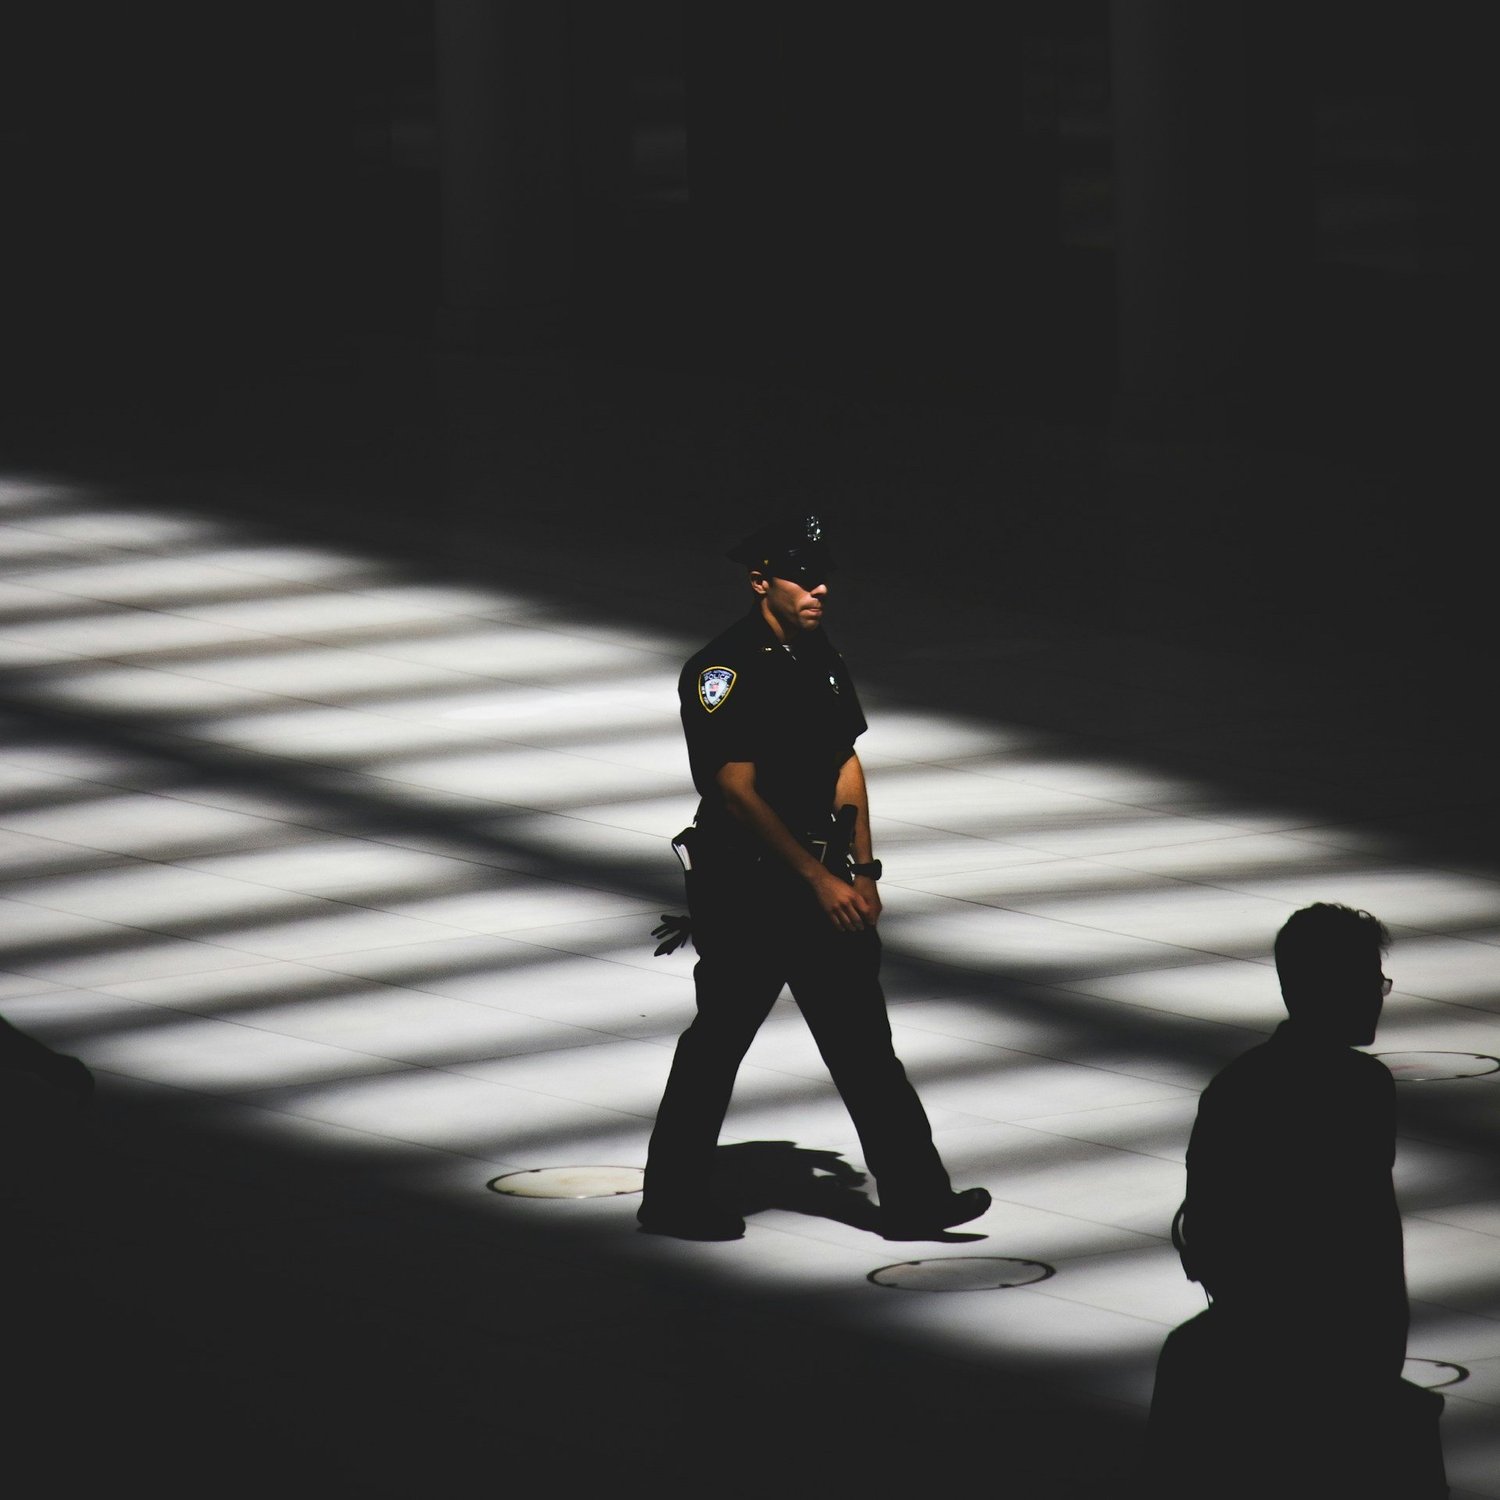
714 686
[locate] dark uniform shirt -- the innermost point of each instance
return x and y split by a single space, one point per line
791 709
1291 1212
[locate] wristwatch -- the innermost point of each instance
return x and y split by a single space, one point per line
874 869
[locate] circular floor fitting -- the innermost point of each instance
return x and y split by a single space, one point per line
569 1182
960 1273
1429 1067
1433 1373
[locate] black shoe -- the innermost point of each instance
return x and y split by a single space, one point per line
927 1222
693 1221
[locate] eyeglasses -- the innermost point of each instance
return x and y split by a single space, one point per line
1385 985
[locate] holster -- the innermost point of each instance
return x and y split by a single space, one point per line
677 929
832 852
683 846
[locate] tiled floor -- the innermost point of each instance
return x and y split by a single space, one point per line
341 880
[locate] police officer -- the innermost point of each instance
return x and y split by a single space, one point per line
771 717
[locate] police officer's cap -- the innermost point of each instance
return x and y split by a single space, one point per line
791 547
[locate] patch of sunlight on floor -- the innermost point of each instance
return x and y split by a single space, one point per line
421 925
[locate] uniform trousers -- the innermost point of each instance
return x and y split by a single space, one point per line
757 929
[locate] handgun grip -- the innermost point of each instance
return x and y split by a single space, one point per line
841 837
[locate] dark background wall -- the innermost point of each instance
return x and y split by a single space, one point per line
1093 306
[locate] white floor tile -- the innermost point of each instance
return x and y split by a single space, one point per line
1236 992
1024 1018
467 1116
138 691
897 734
911 855
1452 1267
1157 1127
119 632
213 1056
1405 897
1028 1328
25 654
1107 780
100 525
24 856
1191 917
1120 1188
1239 856
330 929
996 1084
81 951
611 1074
150 582
17 987
544 779
1471 1445
319 674
1147 1282
345 868
320 614
59 1014
382 1020
149 827
659 816
1463 969
1015 944
522 653
593 992
522 907
160 897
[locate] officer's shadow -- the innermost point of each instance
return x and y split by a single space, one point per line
752 1176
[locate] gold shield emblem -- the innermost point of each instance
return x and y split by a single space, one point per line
714 685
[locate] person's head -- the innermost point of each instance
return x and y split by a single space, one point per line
788 563
1328 959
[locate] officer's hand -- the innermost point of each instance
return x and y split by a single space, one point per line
871 892
842 903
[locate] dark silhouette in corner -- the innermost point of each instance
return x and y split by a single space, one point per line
28 1064
44 1097
44 1134
1290 1382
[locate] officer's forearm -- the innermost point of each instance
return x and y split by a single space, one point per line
748 808
851 789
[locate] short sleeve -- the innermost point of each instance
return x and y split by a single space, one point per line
717 701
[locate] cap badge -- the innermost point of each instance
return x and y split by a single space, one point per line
714 684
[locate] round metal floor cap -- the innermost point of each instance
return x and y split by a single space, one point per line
1433 1373
1428 1067
569 1182
960 1273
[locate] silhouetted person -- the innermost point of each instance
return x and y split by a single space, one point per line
44 1097
42 1094
1290 1383
22 1054
780 897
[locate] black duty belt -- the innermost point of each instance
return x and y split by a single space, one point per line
832 852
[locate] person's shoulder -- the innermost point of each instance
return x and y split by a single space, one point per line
1324 1066
736 645
1256 1074
1369 1073
724 662
1249 1064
